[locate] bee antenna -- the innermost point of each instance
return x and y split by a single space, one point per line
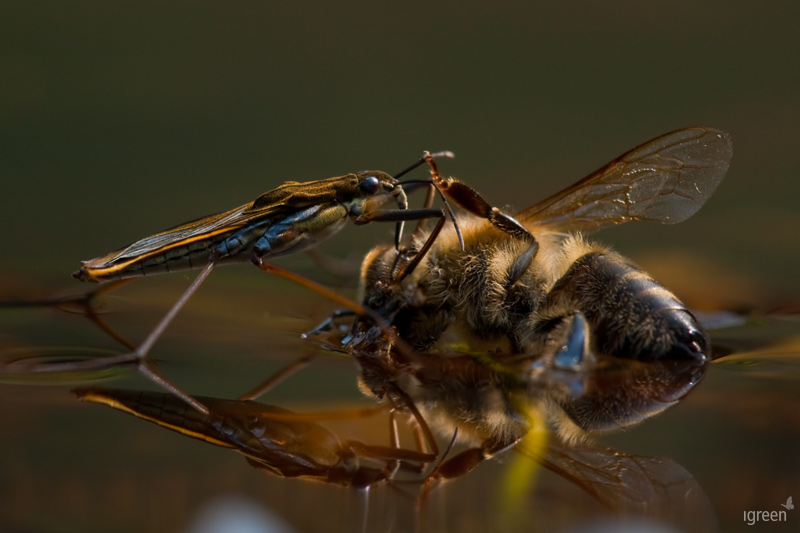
451 214
434 474
449 448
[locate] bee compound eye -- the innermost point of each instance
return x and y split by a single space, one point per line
370 185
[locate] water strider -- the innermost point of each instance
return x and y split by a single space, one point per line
291 218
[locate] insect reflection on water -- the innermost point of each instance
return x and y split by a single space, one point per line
291 444
546 347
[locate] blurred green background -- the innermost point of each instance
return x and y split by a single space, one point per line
120 119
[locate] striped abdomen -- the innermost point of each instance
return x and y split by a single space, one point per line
631 315
186 254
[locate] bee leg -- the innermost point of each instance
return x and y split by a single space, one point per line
562 338
360 310
569 356
325 325
569 341
470 200
402 199
521 264
464 462
564 357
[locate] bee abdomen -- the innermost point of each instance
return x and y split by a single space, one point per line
631 315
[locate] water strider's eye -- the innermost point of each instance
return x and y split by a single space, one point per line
370 185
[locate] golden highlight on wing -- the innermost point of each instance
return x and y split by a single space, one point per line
228 221
665 180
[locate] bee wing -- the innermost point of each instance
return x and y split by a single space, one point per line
656 486
666 180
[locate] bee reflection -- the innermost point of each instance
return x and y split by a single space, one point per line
288 444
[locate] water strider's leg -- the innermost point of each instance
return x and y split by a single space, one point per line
83 304
145 347
137 356
357 308
140 353
267 385
283 236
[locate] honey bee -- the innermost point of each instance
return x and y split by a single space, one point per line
553 298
